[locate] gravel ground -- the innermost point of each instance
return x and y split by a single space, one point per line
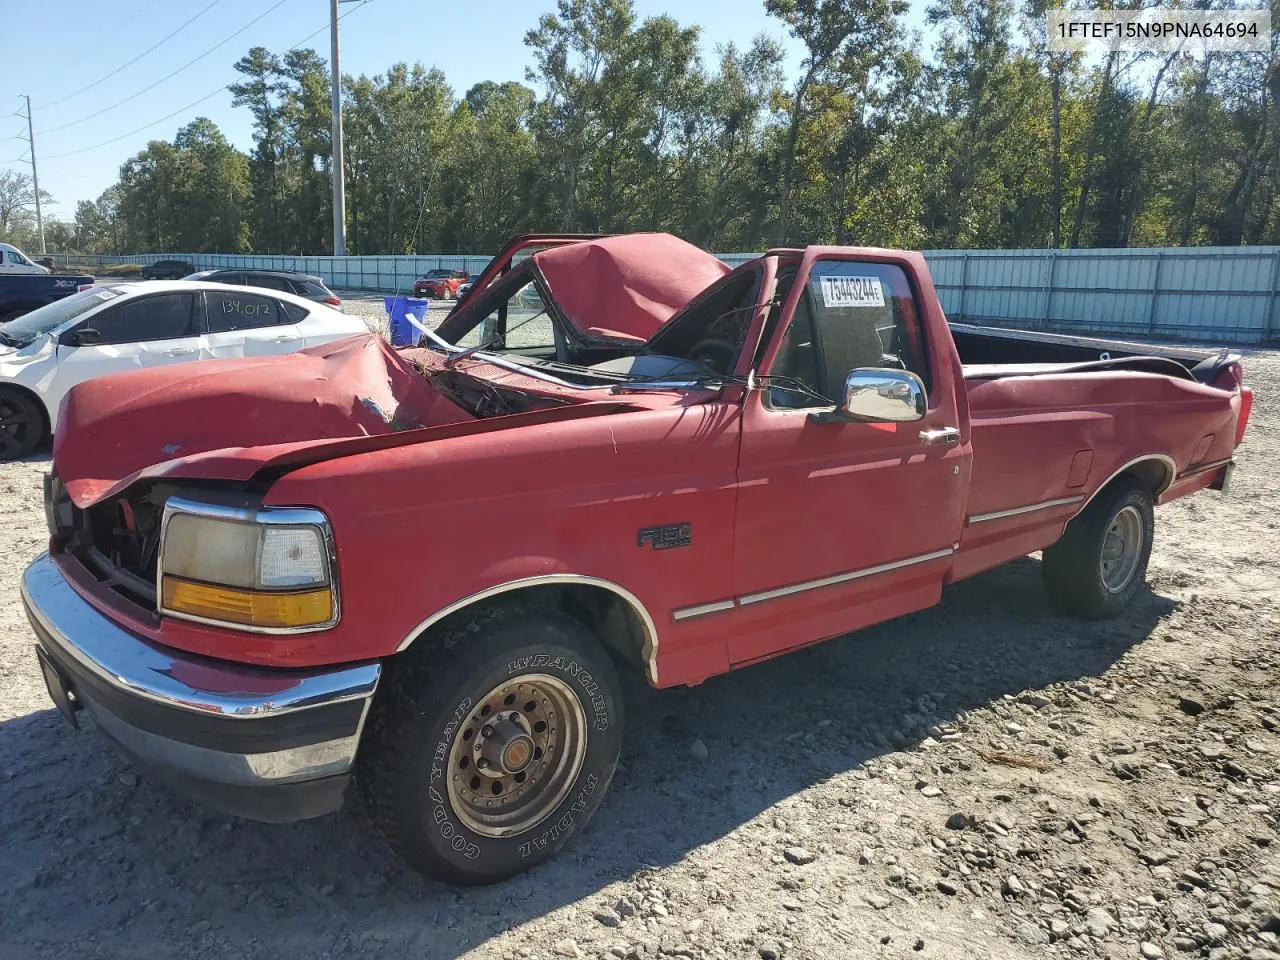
984 779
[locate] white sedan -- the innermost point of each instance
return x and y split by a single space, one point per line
126 326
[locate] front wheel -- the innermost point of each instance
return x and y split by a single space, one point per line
491 746
1100 563
21 424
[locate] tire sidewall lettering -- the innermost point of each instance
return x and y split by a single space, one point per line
576 672
441 814
564 824
450 832
457 837
431 821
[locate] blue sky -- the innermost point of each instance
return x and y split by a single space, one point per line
73 58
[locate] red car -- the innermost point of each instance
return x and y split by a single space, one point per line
645 463
439 284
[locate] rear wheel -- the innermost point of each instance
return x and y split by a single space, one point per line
1100 563
491 746
21 424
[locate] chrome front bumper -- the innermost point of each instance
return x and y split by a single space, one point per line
263 743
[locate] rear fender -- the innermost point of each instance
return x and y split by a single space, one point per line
1156 471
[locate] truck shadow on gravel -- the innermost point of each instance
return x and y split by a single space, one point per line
100 860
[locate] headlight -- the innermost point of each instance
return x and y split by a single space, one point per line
263 569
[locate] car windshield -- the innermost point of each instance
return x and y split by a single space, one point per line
438 274
198 275
29 326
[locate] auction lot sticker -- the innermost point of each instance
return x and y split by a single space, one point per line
852 292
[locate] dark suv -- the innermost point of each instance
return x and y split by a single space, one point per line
302 284
167 270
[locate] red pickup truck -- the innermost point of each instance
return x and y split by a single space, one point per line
420 571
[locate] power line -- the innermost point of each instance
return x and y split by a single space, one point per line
194 103
125 22
170 36
134 96
100 42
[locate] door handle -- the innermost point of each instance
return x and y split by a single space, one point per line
180 352
285 339
941 435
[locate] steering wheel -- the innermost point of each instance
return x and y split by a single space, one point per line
714 353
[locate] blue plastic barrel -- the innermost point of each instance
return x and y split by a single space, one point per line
402 332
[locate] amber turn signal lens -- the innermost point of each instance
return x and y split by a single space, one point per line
255 608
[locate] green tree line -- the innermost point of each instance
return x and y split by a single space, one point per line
987 140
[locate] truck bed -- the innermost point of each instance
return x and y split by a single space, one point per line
993 352
1055 417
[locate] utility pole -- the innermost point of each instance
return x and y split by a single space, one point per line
35 176
1055 70
336 165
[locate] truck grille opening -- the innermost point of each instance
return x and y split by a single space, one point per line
116 541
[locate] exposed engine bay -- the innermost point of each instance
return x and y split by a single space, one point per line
483 399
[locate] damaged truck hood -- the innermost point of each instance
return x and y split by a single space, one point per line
630 284
227 419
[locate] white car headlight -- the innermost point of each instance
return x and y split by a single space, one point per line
264 569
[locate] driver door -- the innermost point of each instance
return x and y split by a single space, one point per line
143 331
843 523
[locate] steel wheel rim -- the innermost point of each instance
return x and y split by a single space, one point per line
1121 549
516 755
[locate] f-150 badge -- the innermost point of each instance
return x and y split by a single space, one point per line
666 538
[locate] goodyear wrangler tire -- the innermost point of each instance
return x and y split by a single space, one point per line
492 744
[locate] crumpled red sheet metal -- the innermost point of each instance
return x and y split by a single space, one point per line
632 283
165 418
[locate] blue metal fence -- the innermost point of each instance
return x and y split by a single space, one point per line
1223 294
1226 294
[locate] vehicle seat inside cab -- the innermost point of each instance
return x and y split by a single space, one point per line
852 337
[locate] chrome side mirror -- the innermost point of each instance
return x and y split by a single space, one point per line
893 396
